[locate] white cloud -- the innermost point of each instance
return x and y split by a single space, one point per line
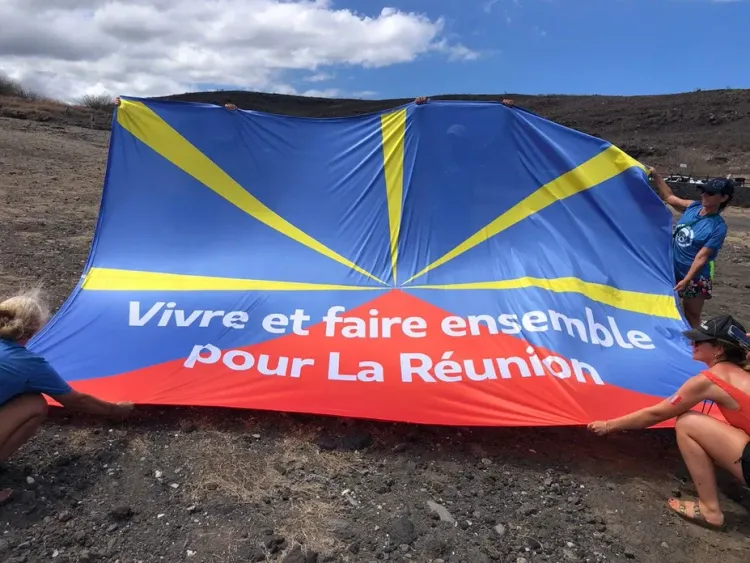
69 48
324 93
487 7
320 77
490 4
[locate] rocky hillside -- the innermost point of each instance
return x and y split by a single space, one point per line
709 131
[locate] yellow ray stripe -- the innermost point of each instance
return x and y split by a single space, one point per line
107 279
152 130
607 164
393 130
637 302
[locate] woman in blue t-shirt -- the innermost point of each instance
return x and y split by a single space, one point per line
696 240
25 377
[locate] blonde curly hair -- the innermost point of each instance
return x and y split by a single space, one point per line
23 315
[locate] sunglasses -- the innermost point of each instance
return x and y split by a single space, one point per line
741 345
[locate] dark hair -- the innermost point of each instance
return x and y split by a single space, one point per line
724 186
735 355
732 353
723 204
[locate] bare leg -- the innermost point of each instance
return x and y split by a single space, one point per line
703 442
20 418
693 308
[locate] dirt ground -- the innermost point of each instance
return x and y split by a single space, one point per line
709 131
204 485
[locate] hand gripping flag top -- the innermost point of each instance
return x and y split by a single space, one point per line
449 263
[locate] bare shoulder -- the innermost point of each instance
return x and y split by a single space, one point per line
700 380
737 376
732 376
698 386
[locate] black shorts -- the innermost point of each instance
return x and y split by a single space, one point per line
745 464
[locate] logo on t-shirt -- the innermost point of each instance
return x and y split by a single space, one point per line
684 236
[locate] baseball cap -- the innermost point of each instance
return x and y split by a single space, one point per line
723 186
722 327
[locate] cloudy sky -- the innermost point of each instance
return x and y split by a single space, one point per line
364 48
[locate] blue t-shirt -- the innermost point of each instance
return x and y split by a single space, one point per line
694 232
22 371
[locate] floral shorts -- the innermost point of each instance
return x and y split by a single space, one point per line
698 287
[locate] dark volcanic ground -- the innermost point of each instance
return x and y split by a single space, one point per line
707 130
204 485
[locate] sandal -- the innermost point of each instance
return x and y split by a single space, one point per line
697 518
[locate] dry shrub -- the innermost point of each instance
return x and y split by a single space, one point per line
37 109
224 465
139 447
98 102
80 438
52 111
14 89
11 88
309 525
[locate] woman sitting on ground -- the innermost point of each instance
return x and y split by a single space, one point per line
702 439
25 376
696 240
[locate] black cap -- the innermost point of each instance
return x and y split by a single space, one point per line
723 186
716 328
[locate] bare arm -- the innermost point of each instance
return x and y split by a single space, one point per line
692 392
89 404
666 193
700 260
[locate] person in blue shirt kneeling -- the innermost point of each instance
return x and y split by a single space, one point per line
25 377
696 240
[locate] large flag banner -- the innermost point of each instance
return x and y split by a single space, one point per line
453 263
